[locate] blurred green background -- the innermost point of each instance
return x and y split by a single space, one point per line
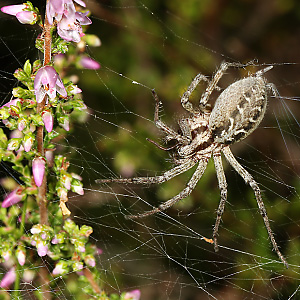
163 45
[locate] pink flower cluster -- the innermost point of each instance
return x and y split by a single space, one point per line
47 81
21 12
68 20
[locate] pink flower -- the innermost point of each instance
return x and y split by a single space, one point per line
90 261
6 255
75 90
28 142
81 249
66 181
41 248
65 124
20 253
27 17
48 82
38 170
12 198
13 144
69 27
11 102
98 251
13 9
59 269
19 11
22 123
48 120
88 63
69 21
55 241
57 8
133 295
8 279
78 189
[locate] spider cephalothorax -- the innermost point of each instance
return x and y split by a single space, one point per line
237 112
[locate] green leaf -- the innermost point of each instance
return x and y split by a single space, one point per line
4 113
3 139
27 68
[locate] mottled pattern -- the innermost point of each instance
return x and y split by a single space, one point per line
238 110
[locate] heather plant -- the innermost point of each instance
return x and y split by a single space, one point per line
40 243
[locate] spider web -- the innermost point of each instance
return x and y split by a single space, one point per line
163 45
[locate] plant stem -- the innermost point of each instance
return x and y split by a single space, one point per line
89 275
41 197
42 190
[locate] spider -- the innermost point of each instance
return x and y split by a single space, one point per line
237 112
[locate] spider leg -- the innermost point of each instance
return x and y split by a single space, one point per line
213 83
183 194
161 147
172 134
186 104
223 189
249 179
155 179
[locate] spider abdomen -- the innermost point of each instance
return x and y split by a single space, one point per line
239 110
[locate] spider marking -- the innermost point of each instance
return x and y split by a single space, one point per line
237 112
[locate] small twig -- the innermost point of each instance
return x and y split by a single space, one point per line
42 190
89 275
41 197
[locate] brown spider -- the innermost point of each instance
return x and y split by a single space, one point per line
237 112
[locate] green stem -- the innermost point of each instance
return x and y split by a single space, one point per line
16 293
23 218
19 268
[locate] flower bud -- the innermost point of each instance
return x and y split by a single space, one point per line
28 276
13 9
92 40
22 123
48 120
75 90
36 229
28 142
42 248
58 238
77 265
11 102
90 261
8 279
27 17
19 11
14 144
66 181
6 254
60 268
21 255
64 123
12 198
133 295
81 248
89 63
98 251
77 187
38 170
